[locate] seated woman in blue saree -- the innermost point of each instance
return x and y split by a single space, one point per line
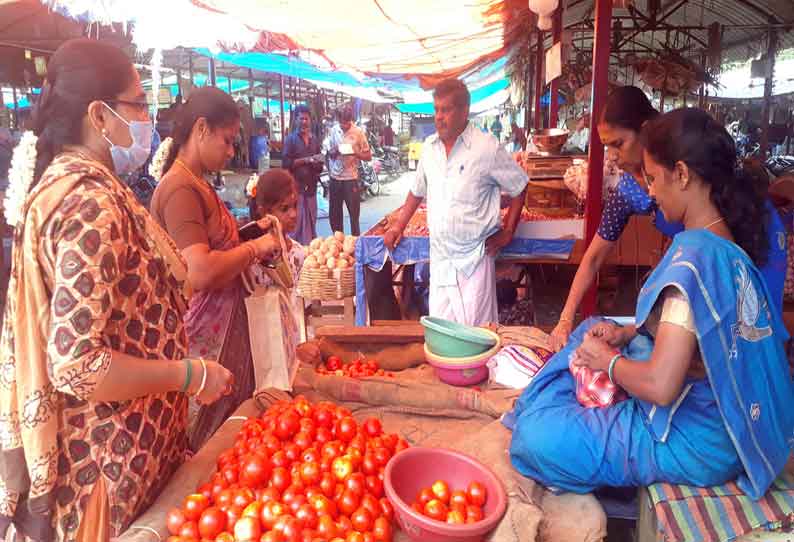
709 390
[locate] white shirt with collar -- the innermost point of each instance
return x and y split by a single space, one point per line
463 192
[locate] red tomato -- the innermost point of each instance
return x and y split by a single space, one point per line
247 529
194 505
323 505
270 494
476 494
373 427
212 522
280 479
292 451
323 418
333 363
176 538
371 504
271 511
436 509
400 446
455 517
270 536
345 429
342 467
243 497
287 425
310 473
362 520
355 536
327 484
425 496
303 440
255 470
375 486
332 449
297 502
225 537
189 531
356 483
174 520
326 527
441 490
291 493
389 440
382 530
233 513
279 459
229 474
418 507
307 516
254 509
458 498
311 454
271 443
344 525
382 456
386 508
324 435
369 464
205 490
473 513
289 528
348 502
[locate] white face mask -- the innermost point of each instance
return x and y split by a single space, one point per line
128 159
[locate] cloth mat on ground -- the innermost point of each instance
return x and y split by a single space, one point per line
720 513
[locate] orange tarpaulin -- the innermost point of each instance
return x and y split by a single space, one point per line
380 36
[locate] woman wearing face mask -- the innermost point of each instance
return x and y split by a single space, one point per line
204 230
705 370
94 394
626 111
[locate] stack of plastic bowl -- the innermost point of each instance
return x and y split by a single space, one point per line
458 353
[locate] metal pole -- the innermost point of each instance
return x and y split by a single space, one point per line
16 108
212 75
539 82
595 170
179 82
768 83
281 85
529 98
189 68
229 82
554 91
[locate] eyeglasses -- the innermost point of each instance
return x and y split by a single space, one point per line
141 107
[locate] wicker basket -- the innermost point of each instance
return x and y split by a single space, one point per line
326 284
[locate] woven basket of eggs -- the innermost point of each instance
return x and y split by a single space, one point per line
329 268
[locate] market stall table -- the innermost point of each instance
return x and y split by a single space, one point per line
539 236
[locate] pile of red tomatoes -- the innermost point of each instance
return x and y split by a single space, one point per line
456 507
301 473
356 369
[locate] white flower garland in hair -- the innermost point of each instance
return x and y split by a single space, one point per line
160 156
20 177
250 187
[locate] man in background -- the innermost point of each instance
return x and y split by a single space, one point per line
303 159
388 135
462 174
347 147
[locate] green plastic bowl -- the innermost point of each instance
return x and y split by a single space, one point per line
453 340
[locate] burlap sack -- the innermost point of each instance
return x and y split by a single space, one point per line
391 357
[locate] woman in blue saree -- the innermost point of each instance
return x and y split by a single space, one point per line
709 387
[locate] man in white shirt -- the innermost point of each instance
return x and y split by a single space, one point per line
462 174
347 147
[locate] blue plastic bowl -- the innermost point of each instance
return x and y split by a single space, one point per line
452 340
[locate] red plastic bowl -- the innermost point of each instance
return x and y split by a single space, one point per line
415 468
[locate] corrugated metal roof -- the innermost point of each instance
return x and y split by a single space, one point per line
692 16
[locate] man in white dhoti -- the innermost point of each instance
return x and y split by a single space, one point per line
462 174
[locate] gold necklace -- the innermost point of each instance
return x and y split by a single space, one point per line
710 224
193 176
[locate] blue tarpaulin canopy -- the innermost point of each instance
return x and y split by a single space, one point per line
477 95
